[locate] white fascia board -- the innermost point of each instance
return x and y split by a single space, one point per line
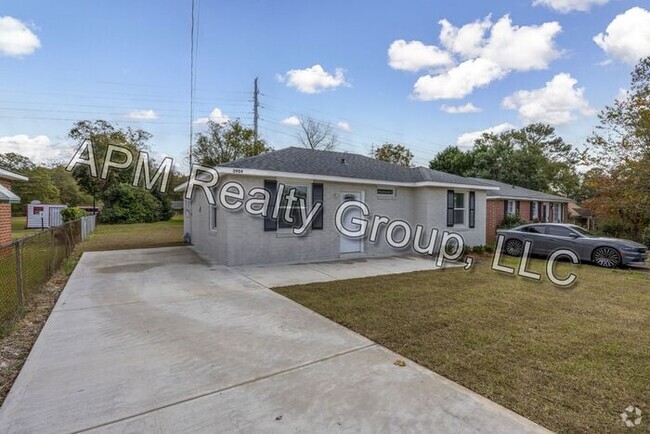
235 171
12 176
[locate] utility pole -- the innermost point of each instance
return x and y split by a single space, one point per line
256 106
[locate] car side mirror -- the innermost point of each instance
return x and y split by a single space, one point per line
574 235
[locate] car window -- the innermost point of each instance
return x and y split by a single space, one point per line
560 231
533 229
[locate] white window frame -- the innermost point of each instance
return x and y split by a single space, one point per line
463 209
385 195
512 207
557 212
281 209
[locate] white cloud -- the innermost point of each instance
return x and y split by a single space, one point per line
522 48
460 109
343 126
291 121
414 56
39 149
565 6
16 39
215 116
314 79
487 52
556 103
466 140
627 37
467 40
458 82
142 115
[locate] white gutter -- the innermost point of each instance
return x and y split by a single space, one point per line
289 175
12 176
529 198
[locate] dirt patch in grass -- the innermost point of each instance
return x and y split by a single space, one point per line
569 359
16 343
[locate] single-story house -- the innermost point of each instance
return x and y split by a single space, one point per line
529 205
7 197
416 195
580 216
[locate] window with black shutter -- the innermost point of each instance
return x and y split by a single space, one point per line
472 209
270 224
450 208
317 197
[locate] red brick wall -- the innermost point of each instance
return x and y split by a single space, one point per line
5 217
495 214
494 217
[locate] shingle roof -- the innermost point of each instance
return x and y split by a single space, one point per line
512 191
344 164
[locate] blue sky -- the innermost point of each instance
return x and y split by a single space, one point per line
121 60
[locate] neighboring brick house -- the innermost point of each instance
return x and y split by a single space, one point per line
530 205
6 199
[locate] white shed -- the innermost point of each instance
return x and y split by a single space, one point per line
41 215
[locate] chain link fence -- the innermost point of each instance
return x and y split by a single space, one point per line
27 263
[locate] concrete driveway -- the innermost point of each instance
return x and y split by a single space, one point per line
159 341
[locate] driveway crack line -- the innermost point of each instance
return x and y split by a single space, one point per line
225 389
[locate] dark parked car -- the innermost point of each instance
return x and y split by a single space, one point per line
549 237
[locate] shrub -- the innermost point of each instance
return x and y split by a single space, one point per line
614 228
479 250
127 204
72 213
646 236
511 221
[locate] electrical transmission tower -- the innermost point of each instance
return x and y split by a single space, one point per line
256 107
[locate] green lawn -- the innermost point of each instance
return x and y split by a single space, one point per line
18 228
569 359
135 236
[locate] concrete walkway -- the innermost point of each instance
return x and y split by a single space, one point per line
159 341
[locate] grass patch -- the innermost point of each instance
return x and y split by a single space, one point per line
18 228
135 236
568 359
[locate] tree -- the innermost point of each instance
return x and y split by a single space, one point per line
453 160
224 143
69 191
395 154
101 134
16 162
532 157
624 130
620 150
39 187
128 204
316 135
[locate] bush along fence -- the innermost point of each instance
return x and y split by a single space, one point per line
27 263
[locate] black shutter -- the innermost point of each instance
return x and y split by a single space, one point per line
505 208
517 204
317 197
530 205
540 215
472 209
270 224
450 208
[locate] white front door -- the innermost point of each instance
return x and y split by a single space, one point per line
351 245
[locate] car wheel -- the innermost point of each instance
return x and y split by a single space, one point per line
514 247
606 257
